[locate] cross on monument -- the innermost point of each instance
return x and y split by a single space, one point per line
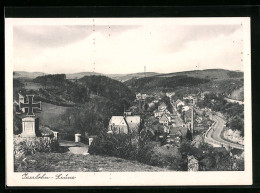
30 105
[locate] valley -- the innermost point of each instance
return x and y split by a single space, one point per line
86 102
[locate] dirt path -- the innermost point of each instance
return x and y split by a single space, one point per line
75 148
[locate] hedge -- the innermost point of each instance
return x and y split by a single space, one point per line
28 146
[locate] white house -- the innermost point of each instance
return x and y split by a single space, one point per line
164 119
185 108
179 103
170 94
121 124
117 124
158 113
138 96
162 107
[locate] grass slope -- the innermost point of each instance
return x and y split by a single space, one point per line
50 114
66 162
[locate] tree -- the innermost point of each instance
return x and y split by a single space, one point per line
92 117
146 106
236 123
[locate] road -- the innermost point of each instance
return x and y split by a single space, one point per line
234 101
214 134
178 119
75 148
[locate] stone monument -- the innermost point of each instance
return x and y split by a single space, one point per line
28 122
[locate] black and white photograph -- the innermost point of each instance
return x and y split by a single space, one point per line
128 101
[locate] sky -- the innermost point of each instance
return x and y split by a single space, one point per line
122 49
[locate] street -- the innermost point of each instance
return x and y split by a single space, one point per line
214 134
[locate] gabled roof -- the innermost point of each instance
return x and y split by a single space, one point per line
178 130
133 107
168 114
21 95
164 118
156 111
162 105
178 101
133 119
117 120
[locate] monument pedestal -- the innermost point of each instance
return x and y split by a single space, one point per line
28 127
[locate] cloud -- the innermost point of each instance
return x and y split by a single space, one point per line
126 49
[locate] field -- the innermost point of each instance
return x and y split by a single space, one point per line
67 162
51 114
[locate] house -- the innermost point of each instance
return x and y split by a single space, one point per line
179 130
21 100
185 108
151 105
166 111
162 107
133 109
144 96
164 119
169 116
140 96
158 113
133 123
127 113
179 103
188 97
122 124
166 129
173 123
117 124
155 101
170 94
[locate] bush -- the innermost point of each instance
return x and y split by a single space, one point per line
117 145
27 146
124 146
166 156
145 152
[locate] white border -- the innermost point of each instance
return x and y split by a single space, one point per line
130 178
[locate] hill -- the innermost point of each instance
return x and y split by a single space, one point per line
118 77
125 77
164 84
58 87
107 87
24 74
92 100
207 74
229 83
81 75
